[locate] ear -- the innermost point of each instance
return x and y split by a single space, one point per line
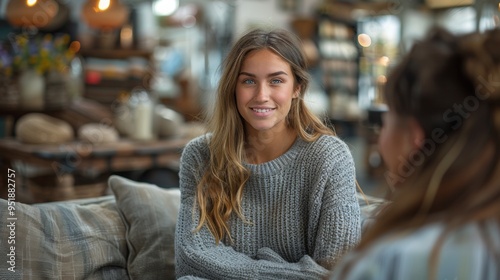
296 92
416 133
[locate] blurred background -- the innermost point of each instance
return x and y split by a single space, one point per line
90 88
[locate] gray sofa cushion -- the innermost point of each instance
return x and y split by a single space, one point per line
63 241
150 214
128 236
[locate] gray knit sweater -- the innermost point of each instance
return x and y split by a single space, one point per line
302 209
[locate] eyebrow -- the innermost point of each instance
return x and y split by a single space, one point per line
269 75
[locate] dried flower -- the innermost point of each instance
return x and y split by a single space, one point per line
41 53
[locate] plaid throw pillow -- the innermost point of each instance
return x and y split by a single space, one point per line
63 241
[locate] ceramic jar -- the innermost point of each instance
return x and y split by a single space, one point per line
141 113
31 90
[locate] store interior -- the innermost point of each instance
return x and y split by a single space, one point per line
76 76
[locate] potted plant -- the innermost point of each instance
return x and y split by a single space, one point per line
41 62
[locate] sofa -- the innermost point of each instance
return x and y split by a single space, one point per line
127 235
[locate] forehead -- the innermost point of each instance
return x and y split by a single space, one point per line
262 59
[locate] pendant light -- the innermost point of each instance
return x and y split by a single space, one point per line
31 13
105 14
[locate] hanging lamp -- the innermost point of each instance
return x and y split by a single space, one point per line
31 13
105 14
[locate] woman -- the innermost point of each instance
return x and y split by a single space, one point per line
441 143
270 192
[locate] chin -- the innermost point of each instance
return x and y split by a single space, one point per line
261 126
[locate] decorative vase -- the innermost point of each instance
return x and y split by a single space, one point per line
31 90
75 79
9 93
141 107
56 95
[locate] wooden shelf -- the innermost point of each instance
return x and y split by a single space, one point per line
116 53
105 90
343 11
17 111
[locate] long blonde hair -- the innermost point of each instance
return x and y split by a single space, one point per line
451 86
220 191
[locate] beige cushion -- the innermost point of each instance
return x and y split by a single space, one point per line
96 133
37 128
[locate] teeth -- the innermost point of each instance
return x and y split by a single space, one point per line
262 110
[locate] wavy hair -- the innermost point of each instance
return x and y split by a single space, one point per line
450 84
220 190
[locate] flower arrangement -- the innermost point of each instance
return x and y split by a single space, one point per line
34 70
40 53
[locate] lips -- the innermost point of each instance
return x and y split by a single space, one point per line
262 110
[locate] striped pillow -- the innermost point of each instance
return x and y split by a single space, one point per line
62 241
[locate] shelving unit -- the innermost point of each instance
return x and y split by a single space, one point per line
112 72
339 65
341 53
116 53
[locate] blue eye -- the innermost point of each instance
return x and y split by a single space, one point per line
276 81
248 81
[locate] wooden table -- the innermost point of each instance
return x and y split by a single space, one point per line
65 160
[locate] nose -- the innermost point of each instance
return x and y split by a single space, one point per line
262 93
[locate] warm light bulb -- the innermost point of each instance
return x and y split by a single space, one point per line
364 40
103 5
31 3
105 14
384 61
381 79
31 13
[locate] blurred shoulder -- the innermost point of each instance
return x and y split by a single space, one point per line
386 258
407 253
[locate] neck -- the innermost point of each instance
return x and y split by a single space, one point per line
268 145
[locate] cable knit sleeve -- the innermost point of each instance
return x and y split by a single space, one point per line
198 256
337 225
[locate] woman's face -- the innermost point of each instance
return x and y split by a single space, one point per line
264 91
395 145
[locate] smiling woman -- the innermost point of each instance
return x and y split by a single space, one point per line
270 191
264 95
